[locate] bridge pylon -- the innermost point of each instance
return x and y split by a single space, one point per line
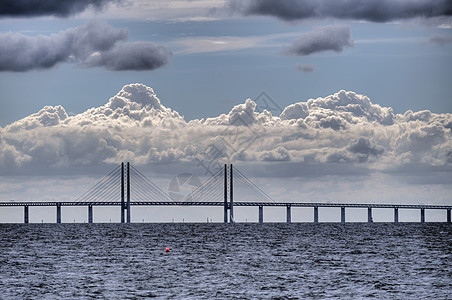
125 192
225 193
228 194
123 206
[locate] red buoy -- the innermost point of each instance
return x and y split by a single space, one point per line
167 249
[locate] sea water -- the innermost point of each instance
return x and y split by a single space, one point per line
226 261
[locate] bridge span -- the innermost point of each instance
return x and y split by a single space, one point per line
218 190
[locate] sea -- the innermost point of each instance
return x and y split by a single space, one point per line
226 261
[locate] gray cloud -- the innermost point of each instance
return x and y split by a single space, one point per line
325 38
63 8
93 44
333 122
307 68
371 10
363 145
364 148
138 56
441 39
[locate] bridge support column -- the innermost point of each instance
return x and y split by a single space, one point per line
288 214
448 216
261 214
90 214
369 215
58 217
396 215
26 219
422 215
316 214
128 192
231 197
343 215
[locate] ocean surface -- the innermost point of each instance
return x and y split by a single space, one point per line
224 261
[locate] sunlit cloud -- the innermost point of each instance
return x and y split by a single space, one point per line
344 128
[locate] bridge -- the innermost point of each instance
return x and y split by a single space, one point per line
125 186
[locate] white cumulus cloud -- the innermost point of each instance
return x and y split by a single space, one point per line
343 133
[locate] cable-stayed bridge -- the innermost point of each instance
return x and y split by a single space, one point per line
126 186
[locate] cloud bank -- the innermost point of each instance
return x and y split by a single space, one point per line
333 38
371 10
95 44
344 132
31 8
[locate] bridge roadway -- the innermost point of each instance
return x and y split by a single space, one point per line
229 206
238 203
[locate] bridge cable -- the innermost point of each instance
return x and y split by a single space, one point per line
208 190
94 191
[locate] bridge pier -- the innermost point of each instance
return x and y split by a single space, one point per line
369 215
448 216
316 214
90 214
422 215
342 214
261 214
396 215
58 211
26 219
288 215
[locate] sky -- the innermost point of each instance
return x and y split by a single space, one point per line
314 100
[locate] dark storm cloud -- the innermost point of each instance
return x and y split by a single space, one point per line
136 56
370 10
60 8
325 38
81 45
441 39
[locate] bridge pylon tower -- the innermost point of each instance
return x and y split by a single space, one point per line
125 192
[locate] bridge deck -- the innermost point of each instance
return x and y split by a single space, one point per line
216 203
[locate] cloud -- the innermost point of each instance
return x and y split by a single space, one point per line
138 56
93 44
204 44
334 38
441 39
135 105
343 133
306 68
351 107
48 116
31 8
278 154
372 10
365 148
